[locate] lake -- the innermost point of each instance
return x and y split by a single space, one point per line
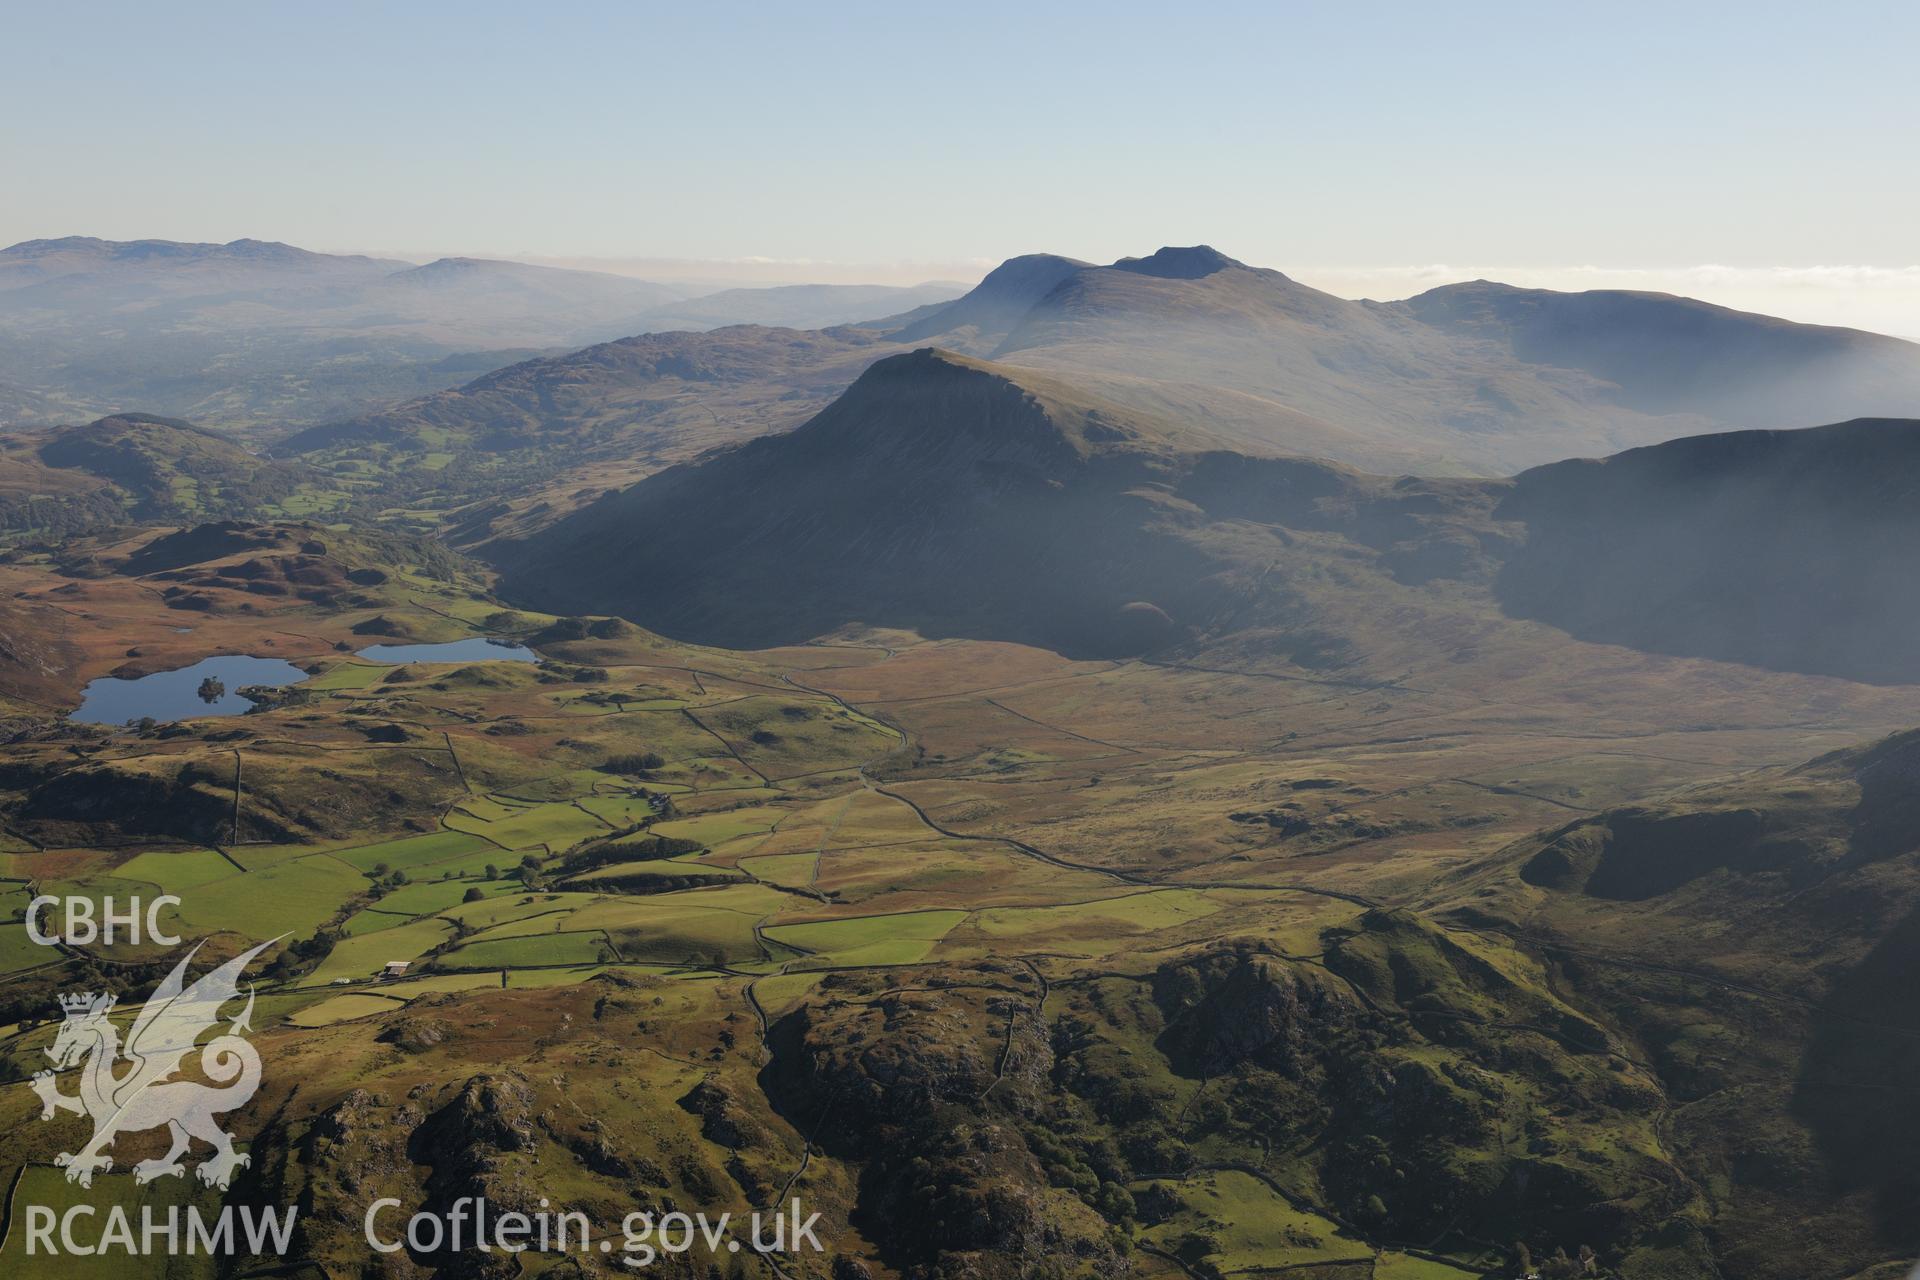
472 649
175 695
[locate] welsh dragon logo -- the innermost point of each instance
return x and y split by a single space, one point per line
145 1096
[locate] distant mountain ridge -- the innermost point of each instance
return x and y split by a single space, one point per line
255 331
1477 378
1672 355
30 261
1474 378
798 306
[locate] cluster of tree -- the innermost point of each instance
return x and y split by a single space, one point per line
386 877
57 519
1558 1267
640 764
303 955
27 1004
619 847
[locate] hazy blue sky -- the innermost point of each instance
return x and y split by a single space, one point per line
1329 138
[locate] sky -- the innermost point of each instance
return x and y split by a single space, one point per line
1756 153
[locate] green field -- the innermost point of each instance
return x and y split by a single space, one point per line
289 898
361 956
541 949
1251 1225
716 829
701 923
554 825
18 951
45 1186
425 897
618 810
347 677
372 921
1096 927
414 851
905 938
793 869
176 871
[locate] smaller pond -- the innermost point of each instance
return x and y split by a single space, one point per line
472 649
176 695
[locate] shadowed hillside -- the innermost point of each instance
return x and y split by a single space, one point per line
936 492
959 497
1786 549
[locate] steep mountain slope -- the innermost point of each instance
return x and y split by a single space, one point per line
1785 549
1678 355
238 332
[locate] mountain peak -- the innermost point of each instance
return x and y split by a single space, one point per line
1001 299
1191 263
934 399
